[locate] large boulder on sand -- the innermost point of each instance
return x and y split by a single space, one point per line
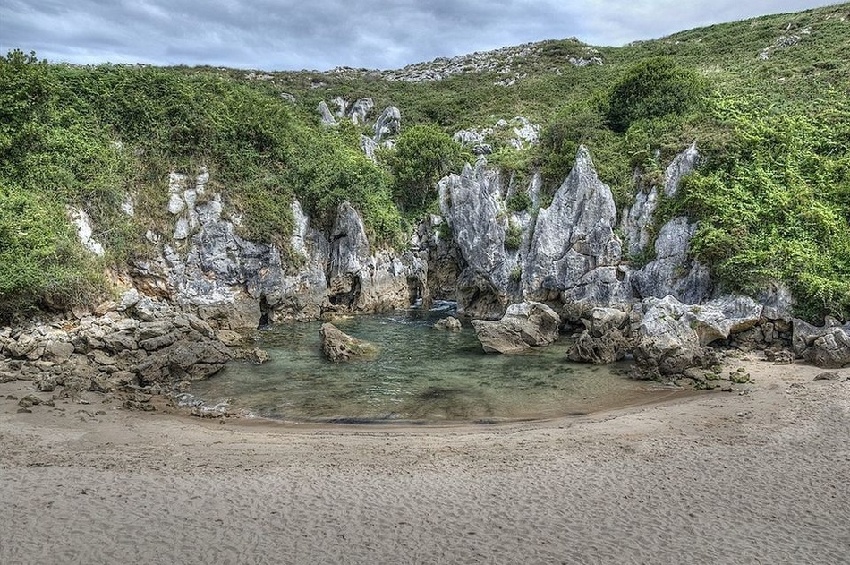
604 339
525 325
827 346
672 335
339 346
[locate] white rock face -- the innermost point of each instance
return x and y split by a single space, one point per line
638 220
574 251
325 113
84 230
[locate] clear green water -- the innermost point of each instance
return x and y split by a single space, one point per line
420 375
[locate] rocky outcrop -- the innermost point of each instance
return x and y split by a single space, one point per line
359 281
470 204
139 343
389 123
359 111
672 336
673 272
208 268
574 255
325 114
827 346
605 338
339 347
523 326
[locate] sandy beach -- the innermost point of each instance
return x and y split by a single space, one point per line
758 475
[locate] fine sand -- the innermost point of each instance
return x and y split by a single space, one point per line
758 475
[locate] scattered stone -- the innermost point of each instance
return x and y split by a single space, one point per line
781 357
827 376
28 401
258 356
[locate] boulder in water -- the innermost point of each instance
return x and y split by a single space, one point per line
451 324
338 346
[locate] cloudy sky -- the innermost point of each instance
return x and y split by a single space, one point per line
322 34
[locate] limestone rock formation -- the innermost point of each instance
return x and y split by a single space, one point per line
325 113
141 342
604 339
672 335
389 123
525 325
827 347
360 110
673 271
470 205
574 254
359 281
209 269
338 346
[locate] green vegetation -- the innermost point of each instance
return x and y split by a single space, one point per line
651 89
777 205
422 155
513 236
765 99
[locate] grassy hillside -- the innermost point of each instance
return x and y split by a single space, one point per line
765 99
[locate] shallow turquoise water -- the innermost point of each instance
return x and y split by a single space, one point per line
421 374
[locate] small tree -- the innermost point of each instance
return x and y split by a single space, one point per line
422 155
653 88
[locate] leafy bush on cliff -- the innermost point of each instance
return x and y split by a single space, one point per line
776 206
422 155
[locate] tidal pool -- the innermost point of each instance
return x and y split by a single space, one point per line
421 375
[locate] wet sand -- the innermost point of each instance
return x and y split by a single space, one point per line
759 475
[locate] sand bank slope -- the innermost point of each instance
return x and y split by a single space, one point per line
759 477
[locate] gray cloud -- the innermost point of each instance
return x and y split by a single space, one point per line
321 34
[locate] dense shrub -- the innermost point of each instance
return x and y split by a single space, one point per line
421 156
777 206
653 88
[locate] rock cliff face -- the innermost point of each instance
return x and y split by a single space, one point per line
566 254
474 212
574 254
672 271
208 268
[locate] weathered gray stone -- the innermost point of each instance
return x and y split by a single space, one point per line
450 323
470 205
325 114
599 350
58 351
673 271
827 346
389 123
359 111
722 317
523 326
574 251
338 346
604 339
666 342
